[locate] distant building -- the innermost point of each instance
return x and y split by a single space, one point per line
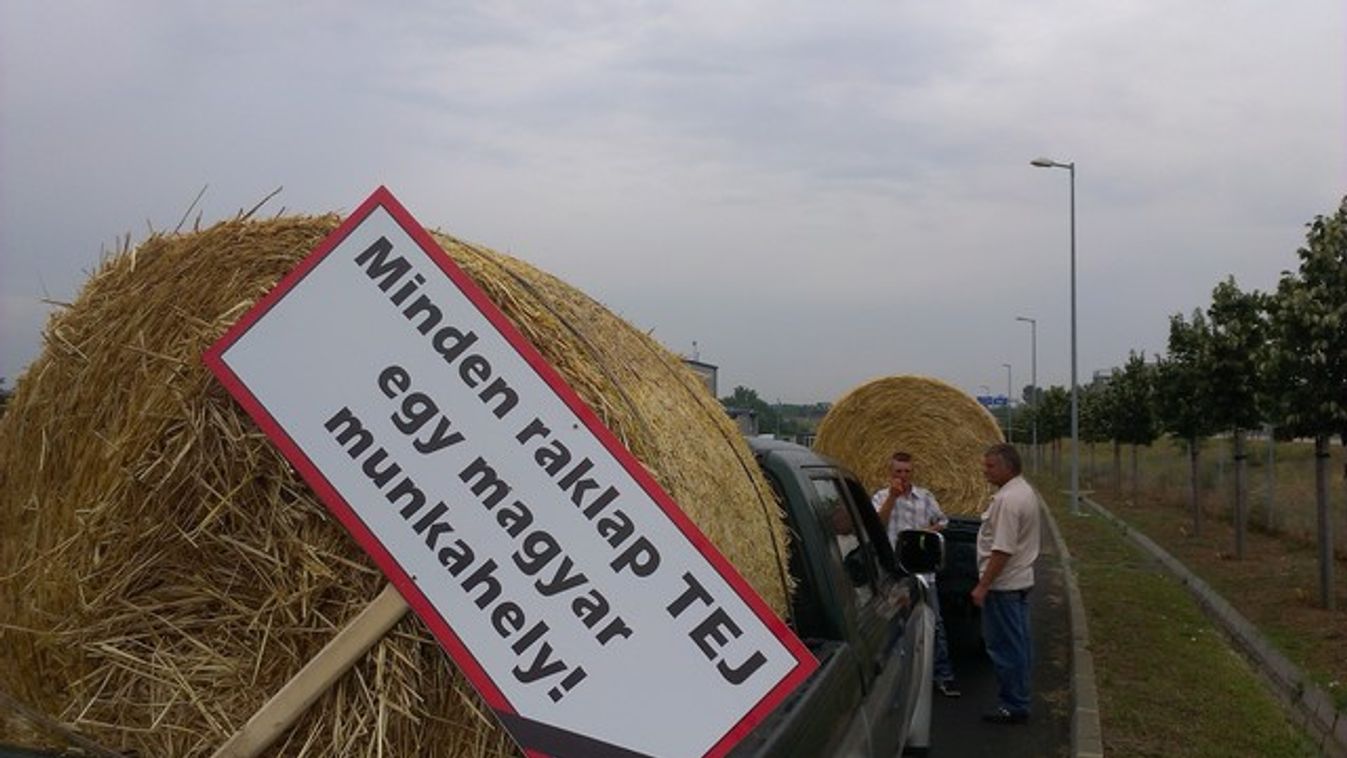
706 371
1104 376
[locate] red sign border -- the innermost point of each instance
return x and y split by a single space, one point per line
383 198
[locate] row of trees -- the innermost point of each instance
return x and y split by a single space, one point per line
1250 360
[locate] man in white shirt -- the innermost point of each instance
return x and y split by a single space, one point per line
902 506
1007 549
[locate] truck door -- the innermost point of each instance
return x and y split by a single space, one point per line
898 641
882 604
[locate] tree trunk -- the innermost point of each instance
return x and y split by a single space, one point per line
1057 458
1134 475
1117 470
1091 479
1326 599
1241 495
1270 478
1193 503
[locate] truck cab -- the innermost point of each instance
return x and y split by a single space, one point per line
865 617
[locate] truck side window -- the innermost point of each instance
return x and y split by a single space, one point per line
805 617
879 540
852 544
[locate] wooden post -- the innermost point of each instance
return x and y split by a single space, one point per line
1327 599
286 706
1241 495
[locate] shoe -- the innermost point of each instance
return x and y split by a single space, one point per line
1005 716
947 688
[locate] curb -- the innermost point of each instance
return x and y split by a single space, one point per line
1087 740
1309 705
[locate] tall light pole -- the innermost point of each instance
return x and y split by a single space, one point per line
1075 388
1010 406
1033 381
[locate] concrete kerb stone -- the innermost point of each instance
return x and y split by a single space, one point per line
1308 704
1086 734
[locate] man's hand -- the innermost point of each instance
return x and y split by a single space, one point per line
979 595
995 564
896 487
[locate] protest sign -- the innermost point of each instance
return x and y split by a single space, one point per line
587 610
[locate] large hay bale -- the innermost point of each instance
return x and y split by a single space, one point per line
945 430
163 570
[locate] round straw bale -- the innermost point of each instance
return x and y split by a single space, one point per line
163 570
945 430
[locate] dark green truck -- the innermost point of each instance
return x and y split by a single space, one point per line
863 615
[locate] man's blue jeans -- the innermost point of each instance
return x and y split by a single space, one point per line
1005 628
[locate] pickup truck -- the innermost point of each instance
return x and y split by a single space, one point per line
955 582
862 610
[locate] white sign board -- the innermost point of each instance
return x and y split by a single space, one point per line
581 602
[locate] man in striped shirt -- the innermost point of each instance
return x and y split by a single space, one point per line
903 506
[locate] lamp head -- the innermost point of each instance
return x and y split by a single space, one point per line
1043 162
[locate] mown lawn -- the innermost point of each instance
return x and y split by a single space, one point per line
1169 684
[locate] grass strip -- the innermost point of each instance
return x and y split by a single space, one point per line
1169 683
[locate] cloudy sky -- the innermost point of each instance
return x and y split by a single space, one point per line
815 194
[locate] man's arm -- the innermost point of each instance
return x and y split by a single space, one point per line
884 501
937 517
995 564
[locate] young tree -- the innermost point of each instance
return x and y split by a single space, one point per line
1095 401
1134 420
1238 329
1113 429
1030 398
1054 421
1306 361
1183 395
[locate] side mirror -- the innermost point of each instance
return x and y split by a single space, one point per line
920 552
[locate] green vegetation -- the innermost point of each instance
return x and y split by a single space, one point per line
1276 585
1249 360
787 420
1169 684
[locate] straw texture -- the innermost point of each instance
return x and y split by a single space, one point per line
163 571
945 430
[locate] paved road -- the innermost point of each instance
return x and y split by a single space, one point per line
957 727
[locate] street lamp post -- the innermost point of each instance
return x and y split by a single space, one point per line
1075 389
1033 382
1010 406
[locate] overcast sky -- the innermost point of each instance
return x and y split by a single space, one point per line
816 194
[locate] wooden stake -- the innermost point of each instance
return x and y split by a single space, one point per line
286 706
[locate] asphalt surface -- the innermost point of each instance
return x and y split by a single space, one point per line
957 728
